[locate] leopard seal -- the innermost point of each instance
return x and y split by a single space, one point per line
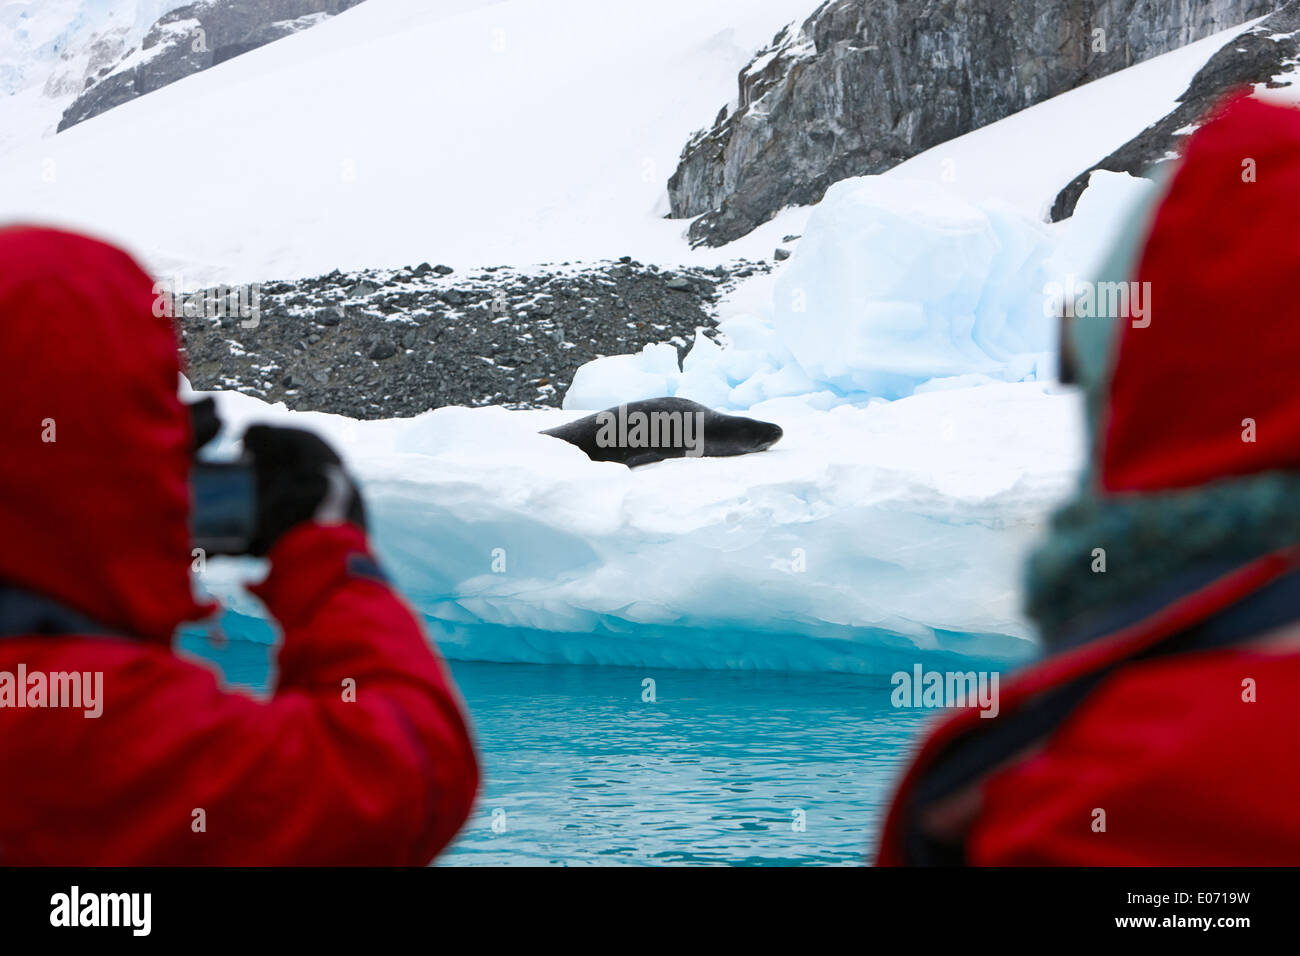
641 433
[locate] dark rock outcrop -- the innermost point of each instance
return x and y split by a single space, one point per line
862 85
387 343
1261 55
192 38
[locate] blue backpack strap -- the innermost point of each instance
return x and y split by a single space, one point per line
26 612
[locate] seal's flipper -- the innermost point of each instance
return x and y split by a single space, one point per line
645 458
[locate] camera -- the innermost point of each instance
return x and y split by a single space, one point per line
223 507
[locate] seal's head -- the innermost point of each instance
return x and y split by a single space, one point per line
734 435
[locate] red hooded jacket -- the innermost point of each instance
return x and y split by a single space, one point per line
94 504
1170 736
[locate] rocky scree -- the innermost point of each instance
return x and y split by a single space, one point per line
391 343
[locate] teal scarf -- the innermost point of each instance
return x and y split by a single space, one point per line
1105 551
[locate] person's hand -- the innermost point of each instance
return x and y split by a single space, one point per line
299 478
204 422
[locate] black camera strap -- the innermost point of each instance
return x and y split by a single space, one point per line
25 612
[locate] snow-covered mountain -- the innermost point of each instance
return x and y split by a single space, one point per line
192 38
49 49
50 43
470 132
63 61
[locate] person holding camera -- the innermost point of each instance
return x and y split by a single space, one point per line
117 751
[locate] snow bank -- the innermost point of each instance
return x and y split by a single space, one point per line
867 535
1111 202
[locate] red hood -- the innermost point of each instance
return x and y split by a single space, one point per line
98 517
1223 347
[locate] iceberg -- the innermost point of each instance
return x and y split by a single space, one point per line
895 282
867 536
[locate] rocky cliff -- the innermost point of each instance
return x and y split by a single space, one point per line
862 85
1267 55
192 38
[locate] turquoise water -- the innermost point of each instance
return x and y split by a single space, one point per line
722 767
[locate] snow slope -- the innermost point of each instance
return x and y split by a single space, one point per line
403 130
